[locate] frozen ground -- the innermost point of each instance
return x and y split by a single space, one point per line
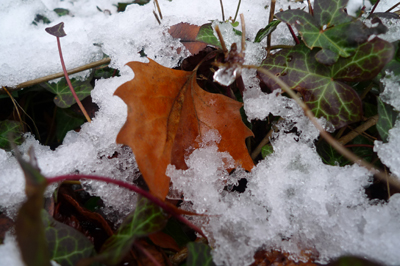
293 201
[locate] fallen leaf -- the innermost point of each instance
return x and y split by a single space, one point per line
167 111
187 34
163 240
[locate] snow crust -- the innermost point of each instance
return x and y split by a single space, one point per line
292 202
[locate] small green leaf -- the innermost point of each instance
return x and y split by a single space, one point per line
106 72
353 261
199 254
66 245
66 120
61 11
64 97
56 30
331 29
235 24
261 34
387 119
8 127
206 35
266 150
329 155
147 218
29 225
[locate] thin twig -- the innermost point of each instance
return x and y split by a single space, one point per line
158 8
237 11
69 82
262 143
349 137
222 10
310 10
243 32
393 7
59 74
271 17
156 16
334 143
293 34
221 39
373 9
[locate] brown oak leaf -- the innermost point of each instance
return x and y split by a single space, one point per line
167 111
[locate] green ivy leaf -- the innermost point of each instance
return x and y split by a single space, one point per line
206 35
331 29
8 127
61 11
322 86
66 245
29 225
266 150
261 34
66 120
387 119
199 254
64 97
147 218
329 155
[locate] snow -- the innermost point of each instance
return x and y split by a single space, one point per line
292 202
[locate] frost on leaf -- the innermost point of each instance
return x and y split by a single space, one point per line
167 112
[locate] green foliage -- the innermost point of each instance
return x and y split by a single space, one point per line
64 97
66 120
331 29
66 245
353 261
266 150
29 225
261 34
9 129
147 218
199 254
322 86
387 119
121 6
206 35
61 11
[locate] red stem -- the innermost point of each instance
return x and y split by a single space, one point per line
359 145
293 35
69 82
146 253
134 188
373 9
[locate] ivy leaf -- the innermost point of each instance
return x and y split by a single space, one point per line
147 218
206 35
322 86
329 155
29 225
331 29
261 34
387 119
64 97
8 127
66 120
266 150
66 245
56 30
199 254
61 11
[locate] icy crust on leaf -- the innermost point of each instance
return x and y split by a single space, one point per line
391 92
293 202
393 25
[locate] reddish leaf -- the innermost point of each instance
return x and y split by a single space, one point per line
167 111
165 241
187 34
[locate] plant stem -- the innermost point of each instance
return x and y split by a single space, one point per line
271 17
369 123
334 143
168 208
393 7
237 11
222 10
69 82
373 9
293 34
310 10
